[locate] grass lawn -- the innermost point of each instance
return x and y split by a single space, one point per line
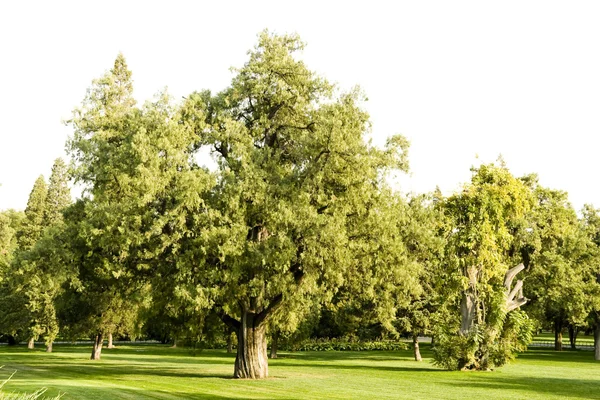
549 337
159 372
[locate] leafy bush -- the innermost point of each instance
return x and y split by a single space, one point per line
346 344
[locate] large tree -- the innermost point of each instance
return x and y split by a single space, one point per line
142 194
481 327
296 178
33 225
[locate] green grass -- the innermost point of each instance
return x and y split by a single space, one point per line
549 337
159 372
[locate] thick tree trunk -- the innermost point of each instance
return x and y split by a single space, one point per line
467 312
251 360
97 350
174 344
110 342
49 347
30 343
468 304
558 334
573 337
416 351
274 343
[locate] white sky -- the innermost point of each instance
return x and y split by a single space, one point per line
459 79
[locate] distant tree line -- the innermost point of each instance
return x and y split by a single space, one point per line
295 233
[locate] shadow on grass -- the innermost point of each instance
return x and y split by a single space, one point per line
562 356
569 388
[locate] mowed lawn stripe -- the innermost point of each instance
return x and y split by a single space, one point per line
160 372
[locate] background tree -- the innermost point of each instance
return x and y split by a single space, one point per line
10 320
33 225
591 272
424 234
143 194
555 270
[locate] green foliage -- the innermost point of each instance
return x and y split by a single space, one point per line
347 344
487 218
59 195
33 226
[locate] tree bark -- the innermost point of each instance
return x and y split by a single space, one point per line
468 304
467 312
251 360
597 340
416 351
110 342
49 347
97 350
274 343
573 337
229 340
558 334
30 343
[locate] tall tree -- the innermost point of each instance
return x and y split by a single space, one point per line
556 259
59 195
481 327
424 232
33 225
295 179
591 272
141 186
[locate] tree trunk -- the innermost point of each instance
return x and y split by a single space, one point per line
558 334
467 312
597 340
416 348
468 304
573 337
97 350
229 340
174 344
110 342
251 360
49 347
30 343
274 343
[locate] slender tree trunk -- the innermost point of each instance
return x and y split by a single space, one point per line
110 341
49 347
174 343
597 340
558 334
30 343
229 340
416 351
251 360
432 340
229 343
573 337
274 344
97 350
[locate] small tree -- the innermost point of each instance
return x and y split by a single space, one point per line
480 326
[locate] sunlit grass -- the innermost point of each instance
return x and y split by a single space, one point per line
160 372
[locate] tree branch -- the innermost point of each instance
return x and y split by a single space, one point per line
273 305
